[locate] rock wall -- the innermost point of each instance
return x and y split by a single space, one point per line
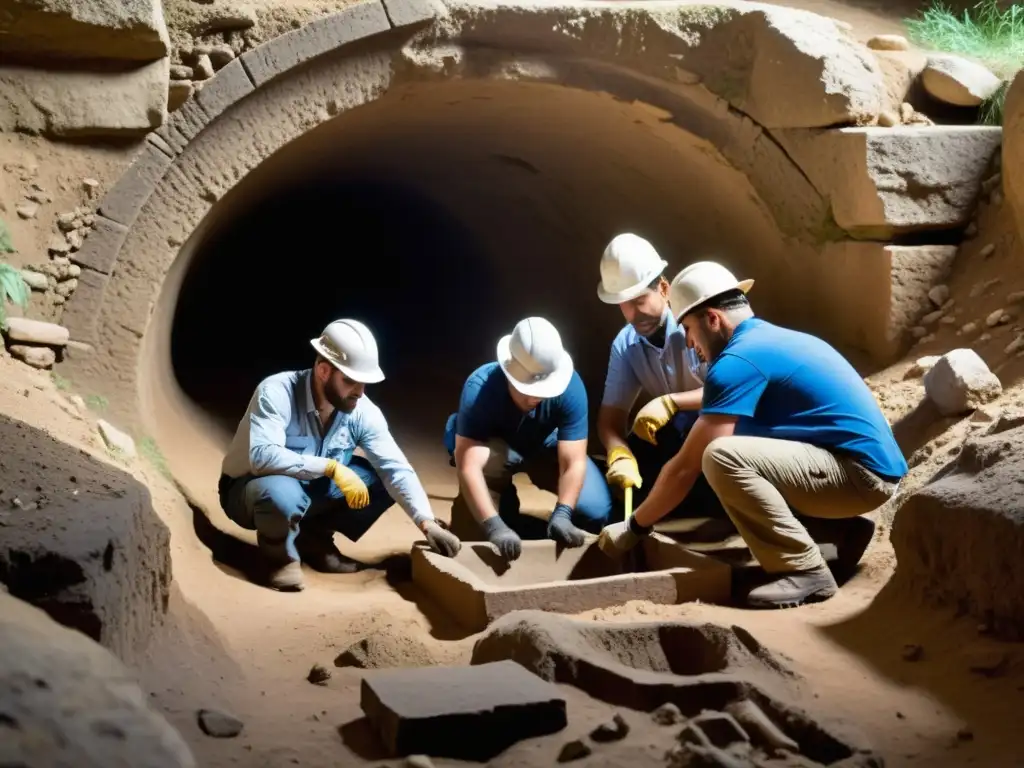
66 701
1013 149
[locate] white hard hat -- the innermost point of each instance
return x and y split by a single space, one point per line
699 282
349 346
628 265
533 359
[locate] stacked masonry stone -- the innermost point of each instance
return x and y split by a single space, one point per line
804 97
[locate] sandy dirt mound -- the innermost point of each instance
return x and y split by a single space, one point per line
386 648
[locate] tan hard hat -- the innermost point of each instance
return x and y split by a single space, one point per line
701 281
628 265
534 360
349 346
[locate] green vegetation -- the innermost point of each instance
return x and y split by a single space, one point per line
13 288
986 33
96 403
60 382
151 452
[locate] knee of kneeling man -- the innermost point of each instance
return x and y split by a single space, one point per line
717 456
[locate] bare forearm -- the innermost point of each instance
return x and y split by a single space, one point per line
688 401
671 487
570 480
474 486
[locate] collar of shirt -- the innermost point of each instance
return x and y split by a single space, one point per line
671 327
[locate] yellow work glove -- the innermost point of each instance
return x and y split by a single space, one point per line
622 469
653 416
348 482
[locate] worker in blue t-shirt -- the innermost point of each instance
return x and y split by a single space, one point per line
527 412
786 425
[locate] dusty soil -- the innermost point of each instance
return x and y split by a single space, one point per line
232 645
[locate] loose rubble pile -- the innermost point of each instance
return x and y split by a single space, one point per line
199 64
34 342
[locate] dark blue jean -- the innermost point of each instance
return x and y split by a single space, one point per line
279 507
594 508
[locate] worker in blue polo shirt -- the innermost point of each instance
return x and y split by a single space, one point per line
786 425
527 412
649 355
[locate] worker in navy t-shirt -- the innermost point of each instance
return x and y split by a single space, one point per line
786 425
525 413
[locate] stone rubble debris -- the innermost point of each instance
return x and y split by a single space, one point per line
888 43
419 761
960 382
939 295
219 725
574 750
912 652
115 439
318 675
614 730
957 81
987 250
667 714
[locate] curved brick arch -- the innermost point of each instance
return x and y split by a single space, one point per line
290 85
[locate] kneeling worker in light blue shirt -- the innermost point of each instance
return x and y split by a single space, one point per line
290 473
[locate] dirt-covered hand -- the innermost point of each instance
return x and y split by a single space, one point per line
441 541
505 540
349 483
561 529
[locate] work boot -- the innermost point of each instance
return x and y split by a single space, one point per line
856 536
317 550
286 578
792 589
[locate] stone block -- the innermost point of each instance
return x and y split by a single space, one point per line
720 728
476 586
100 249
959 539
87 547
430 710
132 30
67 701
315 39
959 382
78 103
404 13
82 309
37 357
36 332
122 203
869 295
887 181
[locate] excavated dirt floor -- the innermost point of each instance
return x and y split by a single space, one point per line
231 645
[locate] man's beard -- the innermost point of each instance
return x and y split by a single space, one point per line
343 404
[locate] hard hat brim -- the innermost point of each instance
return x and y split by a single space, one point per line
363 377
552 386
742 285
633 291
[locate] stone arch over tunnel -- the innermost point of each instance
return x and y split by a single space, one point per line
515 144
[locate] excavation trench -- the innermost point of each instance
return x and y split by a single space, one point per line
438 215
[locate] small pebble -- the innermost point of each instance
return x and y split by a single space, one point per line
888 119
667 714
912 652
939 295
994 318
965 734
918 332
318 675
971 230
419 761
614 730
1015 297
969 328
574 750
932 317
997 197
987 251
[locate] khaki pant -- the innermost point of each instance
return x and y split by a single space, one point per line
761 481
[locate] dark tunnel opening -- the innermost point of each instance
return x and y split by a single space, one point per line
376 251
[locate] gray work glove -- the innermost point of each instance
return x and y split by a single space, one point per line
507 542
442 541
561 529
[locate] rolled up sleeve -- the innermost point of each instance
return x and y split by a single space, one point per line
371 433
269 417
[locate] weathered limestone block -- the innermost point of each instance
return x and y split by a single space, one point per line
870 294
36 332
785 68
958 81
71 103
87 547
959 382
1013 149
886 181
97 29
66 701
959 540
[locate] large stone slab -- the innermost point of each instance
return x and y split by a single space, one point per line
465 713
65 701
98 29
476 586
82 541
783 67
888 181
78 103
959 540
871 294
